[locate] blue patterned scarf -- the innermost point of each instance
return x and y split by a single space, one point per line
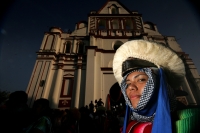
154 104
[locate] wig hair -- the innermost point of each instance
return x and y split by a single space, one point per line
145 51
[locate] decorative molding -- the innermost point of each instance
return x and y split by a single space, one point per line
91 47
107 73
54 27
64 103
105 51
106 69
119 37
53 33
69 70
68 74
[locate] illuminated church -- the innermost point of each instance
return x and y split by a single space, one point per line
74 68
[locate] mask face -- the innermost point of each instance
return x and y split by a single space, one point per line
136 82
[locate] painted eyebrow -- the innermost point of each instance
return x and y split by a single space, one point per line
136 76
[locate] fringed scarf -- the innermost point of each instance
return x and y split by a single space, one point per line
155 102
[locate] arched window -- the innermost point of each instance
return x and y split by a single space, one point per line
102 24
68 47
115 24
117 44
114 9
80 47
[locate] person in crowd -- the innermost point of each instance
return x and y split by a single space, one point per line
96 105
41 117
148 74
91 107
100 103
100 119
71 123
86 122
15 116
58 116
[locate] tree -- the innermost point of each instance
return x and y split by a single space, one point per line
4 95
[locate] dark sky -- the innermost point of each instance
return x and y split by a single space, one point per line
23 23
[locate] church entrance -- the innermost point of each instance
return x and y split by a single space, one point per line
115 98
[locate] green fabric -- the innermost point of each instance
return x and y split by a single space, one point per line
182 114
43 124
189 120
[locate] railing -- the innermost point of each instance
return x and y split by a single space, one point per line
121 32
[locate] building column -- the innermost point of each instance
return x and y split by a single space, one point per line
57 88
78 84
90 75
122 23
49 82
74 46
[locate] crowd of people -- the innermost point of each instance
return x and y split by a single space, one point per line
16 116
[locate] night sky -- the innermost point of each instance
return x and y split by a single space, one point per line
23 23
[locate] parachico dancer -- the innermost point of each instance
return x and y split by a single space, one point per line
148 74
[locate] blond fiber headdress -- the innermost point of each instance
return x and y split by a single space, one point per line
158 54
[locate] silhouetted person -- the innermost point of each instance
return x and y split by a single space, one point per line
57 117
15 116
91 107
100 103
96 106
41 122
71 122
100 119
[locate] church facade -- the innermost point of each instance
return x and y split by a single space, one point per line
74 68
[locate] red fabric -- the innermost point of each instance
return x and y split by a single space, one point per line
141 127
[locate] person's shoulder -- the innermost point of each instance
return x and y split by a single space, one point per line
138 127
